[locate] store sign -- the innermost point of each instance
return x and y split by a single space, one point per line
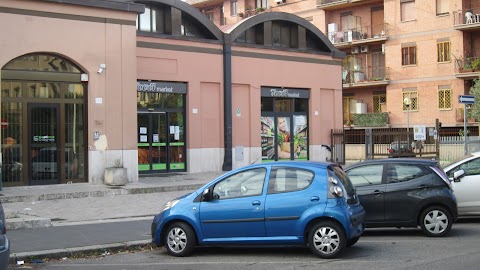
44 138
162 87
285 92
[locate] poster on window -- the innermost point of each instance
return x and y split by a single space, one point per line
267 132
283 138
300 137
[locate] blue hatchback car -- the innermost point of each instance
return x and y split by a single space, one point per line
272 204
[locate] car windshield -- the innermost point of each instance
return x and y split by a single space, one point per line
456 160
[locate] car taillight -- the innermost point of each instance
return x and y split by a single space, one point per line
333 188
391 150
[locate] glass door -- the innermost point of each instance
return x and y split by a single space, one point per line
176 142
161 142
152 142
45 154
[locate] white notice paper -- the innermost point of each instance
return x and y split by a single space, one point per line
155 137
172 129
143 130
143 138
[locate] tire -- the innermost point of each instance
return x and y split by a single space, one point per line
436 221
352 241
327 240
180 239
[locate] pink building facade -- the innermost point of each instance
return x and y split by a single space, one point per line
158 88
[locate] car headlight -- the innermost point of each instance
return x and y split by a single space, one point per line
170 204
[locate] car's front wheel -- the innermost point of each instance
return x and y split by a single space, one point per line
180 239
327 240
436 221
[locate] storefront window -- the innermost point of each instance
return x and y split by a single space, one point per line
43 90
159 100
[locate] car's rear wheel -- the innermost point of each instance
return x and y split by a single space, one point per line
180 239
327 240
436 221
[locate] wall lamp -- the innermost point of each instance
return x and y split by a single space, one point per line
101 68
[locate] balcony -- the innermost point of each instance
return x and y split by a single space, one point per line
337 4
467 19
204 3
468 68
372 76
358 36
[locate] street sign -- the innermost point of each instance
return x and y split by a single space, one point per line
466 99
4 123
419 133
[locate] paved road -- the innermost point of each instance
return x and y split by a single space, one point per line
79 235
376 250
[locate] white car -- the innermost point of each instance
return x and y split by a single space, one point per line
465 174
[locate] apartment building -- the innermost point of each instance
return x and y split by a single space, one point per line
407 60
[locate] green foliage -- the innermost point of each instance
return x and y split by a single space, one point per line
370 119
474 111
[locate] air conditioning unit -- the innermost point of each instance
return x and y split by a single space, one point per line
355 50
364 49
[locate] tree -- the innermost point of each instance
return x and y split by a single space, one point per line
474 111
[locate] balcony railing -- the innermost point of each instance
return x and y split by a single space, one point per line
332 3
467 68
466 19
359 35
370 76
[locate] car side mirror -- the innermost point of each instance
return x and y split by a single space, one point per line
457 175
206 195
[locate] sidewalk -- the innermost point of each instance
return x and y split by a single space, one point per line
59 220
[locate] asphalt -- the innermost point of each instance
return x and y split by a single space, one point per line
66 220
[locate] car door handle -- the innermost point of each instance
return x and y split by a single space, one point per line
256 203
422 187
315 199
377 192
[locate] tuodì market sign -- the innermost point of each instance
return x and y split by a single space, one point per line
162 87
285 92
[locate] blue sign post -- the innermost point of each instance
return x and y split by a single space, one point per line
465 100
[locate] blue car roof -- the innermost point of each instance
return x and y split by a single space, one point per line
316 164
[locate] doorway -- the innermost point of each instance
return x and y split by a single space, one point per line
45 155
161 142
284 137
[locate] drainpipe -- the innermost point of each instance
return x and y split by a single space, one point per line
227 101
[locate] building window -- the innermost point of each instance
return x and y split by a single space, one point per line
413 95
442 7
209 14
233 8
409 56
443 51
445 98
379 103
262 4
407 9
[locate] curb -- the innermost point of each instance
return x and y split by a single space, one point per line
97 193
53 254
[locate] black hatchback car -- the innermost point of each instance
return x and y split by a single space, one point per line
405 192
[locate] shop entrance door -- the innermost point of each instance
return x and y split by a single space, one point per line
161 144
44 148
284 137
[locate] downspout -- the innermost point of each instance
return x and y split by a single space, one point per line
227 102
